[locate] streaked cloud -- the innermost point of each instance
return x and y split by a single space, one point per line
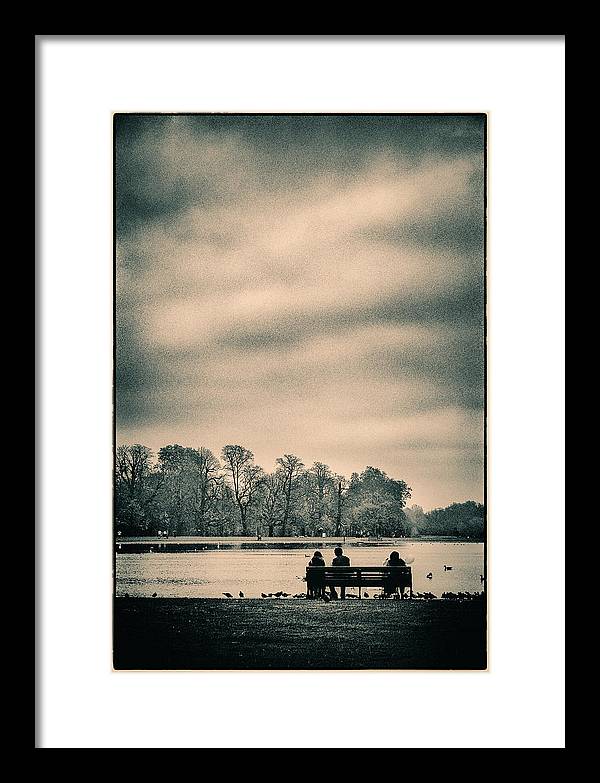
305 284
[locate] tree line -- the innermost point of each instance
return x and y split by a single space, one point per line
191 491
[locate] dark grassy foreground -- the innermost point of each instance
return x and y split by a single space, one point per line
170 633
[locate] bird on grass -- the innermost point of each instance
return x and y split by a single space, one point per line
366 595
227 595
263 595
429 576
154 595
447 568
241 595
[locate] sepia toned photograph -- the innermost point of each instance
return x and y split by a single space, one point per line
300 392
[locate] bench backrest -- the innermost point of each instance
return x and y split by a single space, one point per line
360 574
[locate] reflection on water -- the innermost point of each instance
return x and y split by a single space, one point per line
210 574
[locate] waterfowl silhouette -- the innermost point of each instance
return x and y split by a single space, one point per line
241 595
429 576
447 568
366 595
263 595
154 595
227 595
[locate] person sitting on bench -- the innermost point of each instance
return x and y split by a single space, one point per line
315 587
391 587
340 559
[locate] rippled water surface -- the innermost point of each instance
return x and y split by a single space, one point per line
210 574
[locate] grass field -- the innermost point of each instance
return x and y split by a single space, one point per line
169 633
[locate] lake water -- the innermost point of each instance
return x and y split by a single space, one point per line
210 574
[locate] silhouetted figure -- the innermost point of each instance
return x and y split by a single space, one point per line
241 595
227 595
429 576
391 585
340 559
315 581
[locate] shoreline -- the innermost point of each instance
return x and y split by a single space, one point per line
143 544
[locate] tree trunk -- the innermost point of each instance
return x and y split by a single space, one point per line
243 513
338 521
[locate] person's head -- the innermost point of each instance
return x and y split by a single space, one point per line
318 555
394 557
338 551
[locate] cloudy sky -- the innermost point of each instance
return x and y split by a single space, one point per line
311 285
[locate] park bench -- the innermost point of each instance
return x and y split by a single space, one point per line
390 577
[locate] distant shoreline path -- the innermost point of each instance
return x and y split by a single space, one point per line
195 543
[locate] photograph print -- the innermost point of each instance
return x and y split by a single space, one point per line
299 392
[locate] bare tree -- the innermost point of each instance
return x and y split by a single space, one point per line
291 468
133 465
207 476
177 464
246 478
271 509
321 483
341 485
137 484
